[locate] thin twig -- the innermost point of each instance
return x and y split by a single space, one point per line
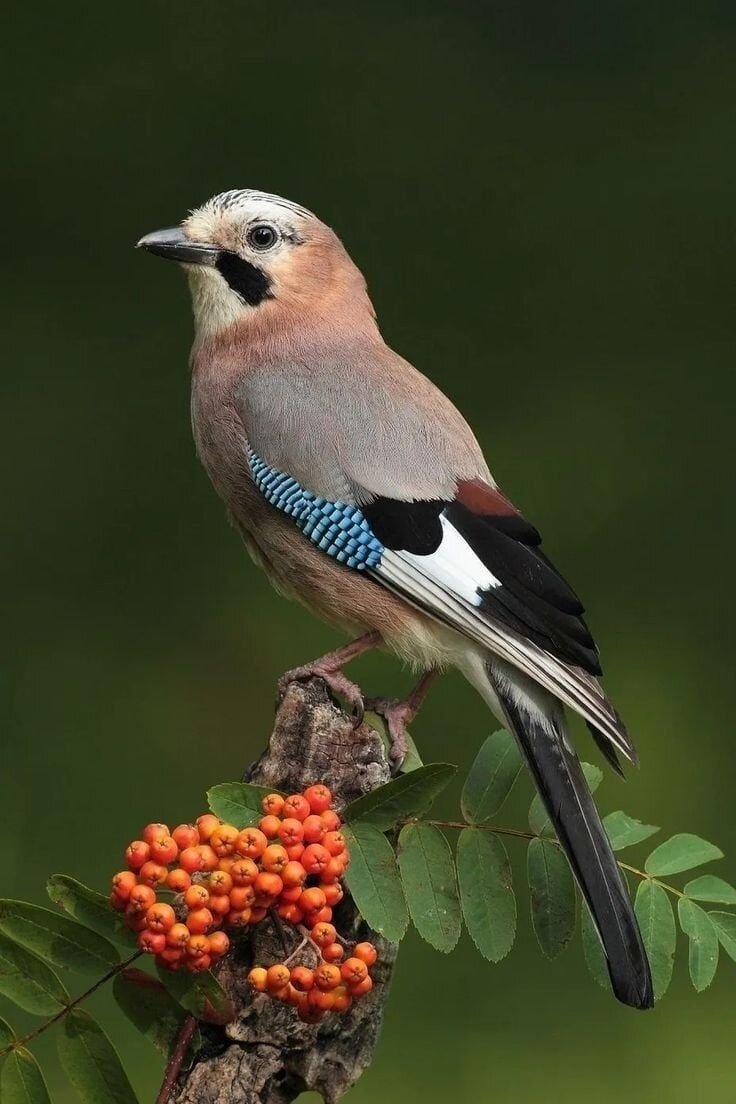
173 1066
547 839
68 1007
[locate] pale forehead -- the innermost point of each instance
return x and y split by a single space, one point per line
227 215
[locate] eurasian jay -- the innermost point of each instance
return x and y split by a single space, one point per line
361 490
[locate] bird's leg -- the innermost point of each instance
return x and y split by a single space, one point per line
399 713
329 668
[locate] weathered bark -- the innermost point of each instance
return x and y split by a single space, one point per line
267 1055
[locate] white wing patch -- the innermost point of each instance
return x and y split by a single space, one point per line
446 586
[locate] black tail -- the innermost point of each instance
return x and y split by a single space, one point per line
564 791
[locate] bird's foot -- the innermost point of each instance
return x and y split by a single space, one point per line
399 713
338 683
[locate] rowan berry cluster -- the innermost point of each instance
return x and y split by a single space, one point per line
331 986
291 863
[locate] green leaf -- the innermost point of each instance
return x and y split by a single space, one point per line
709 888
595 959
149 1007
624 831
657 922
405 796
91 1062
90 908
703 957
412 760
539 821
428 877
373 879
725 925
238 803
200 994
491 777
486 892
29 982
21 1080
551 896
61 941
7 1035
680 852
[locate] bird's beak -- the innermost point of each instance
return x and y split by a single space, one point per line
175 246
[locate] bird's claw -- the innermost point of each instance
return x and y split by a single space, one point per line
338 683
397 715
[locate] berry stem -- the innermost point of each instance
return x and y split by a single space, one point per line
547 839
173 1067
68 1007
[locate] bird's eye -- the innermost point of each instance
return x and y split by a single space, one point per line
263 236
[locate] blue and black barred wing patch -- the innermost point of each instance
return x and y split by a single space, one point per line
338 528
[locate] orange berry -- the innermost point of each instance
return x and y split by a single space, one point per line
322 999
190 860
366 952
296 806
330 819
198 965
362 987
223 839
220 883
274 858
290 895
302 978
270 825
333 871
327 976
152 874
118 903
323 934
277 976
219 944
241 918
319 798
227 864
123 882
185 835
353 971
258 979
219 906
292 914
178 935
295 852
242 897
197 945
314 829
312 899
315 858
152 942
206 825
171 956
333 952
136 854
136 921
319 916
207 857
197 896
334 842
258 914
273 804
164 850
178 880
199 920
293 875
154 831
160 917
243 872
251 843
141 898
291 831
333 894
268 884
342 999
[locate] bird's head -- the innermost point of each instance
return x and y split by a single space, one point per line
259 261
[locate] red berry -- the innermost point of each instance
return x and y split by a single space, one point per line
153 831
315 858
273 804
152 874
223 840
199 920
333 894
123 882
362 987
312 899
323 934
327 976
197 896
319 916
243 872
206 825
314 830
241 918
293 874
152 942
366 952
330 819
258 979
319 798
160 917
178 935
207 857
219 906
296 806
292 914
302 978
353 971
164 850
171 956
334 842
185 835
219 944
269 825
342 1000
251 843
136 854
178 880
242 897
291 831
333 952
274 858
118 903
141 898
268 885
197 945
199 965
277 977
219 883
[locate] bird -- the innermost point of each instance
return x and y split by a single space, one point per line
362 492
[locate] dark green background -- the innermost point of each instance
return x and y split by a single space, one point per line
541 196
